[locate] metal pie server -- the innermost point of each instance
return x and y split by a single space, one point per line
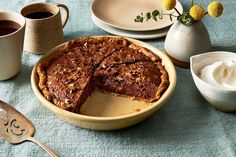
16 128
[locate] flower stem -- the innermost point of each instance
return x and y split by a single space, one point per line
177 11
201 2
171 15
191 3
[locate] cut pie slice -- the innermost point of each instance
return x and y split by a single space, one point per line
134 72
67 82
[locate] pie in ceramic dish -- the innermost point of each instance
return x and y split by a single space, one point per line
107 64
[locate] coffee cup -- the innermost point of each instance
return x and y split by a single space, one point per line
12 29
44 26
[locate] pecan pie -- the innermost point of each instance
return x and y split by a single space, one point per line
110 64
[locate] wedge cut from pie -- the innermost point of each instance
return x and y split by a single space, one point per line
109 64
134 72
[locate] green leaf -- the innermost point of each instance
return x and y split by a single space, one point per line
155 13
148 15
141 19
186 19
138 19
155 18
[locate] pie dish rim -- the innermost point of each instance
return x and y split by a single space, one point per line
73 117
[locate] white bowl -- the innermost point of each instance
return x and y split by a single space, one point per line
104 111
221 98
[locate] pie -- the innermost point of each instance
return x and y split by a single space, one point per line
109 64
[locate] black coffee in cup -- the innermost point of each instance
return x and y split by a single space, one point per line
39 15
8 27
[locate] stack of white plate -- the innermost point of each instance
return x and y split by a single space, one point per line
117 17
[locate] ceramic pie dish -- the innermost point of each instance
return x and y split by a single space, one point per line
105 111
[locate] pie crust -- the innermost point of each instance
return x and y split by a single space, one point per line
110 64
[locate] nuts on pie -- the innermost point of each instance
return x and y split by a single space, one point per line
109 64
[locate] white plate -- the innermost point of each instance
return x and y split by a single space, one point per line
131 34
121 13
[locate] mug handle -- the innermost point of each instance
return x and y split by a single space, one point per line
65 16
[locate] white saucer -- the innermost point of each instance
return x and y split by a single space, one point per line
131 34
121 14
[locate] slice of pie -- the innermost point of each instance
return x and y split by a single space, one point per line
110 64
135 72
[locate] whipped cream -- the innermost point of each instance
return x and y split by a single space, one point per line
220 74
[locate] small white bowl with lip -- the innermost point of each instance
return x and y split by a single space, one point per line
221 98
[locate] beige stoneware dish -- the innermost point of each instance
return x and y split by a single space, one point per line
104 111
131 34
121 13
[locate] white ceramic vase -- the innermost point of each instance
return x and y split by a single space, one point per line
183 41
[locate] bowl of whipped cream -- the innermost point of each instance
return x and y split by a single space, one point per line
214 74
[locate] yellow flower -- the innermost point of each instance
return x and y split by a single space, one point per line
168 4
215 9
197 12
